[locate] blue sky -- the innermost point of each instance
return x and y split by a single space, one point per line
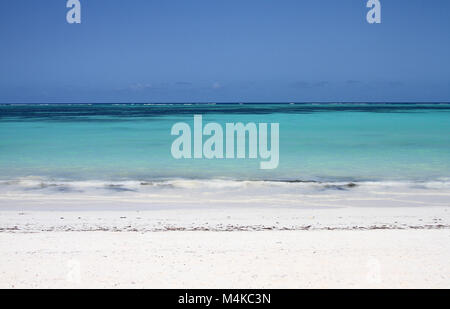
224 51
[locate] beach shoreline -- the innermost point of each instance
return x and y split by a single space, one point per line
221 234
219 219
270 247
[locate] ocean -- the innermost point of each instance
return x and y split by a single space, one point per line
124 147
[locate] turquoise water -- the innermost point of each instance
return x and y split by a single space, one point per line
325 142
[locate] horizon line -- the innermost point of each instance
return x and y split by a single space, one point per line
235 102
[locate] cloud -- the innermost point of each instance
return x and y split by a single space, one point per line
394 83
321 84
183 83
352 82
307 85
139 86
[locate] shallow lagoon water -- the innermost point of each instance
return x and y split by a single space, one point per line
318 142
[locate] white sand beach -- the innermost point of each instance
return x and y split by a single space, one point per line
224 235
208 247
270 259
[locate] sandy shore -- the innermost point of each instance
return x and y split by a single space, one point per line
223 247
226 219
271 259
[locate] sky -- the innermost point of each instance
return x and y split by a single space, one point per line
224 51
